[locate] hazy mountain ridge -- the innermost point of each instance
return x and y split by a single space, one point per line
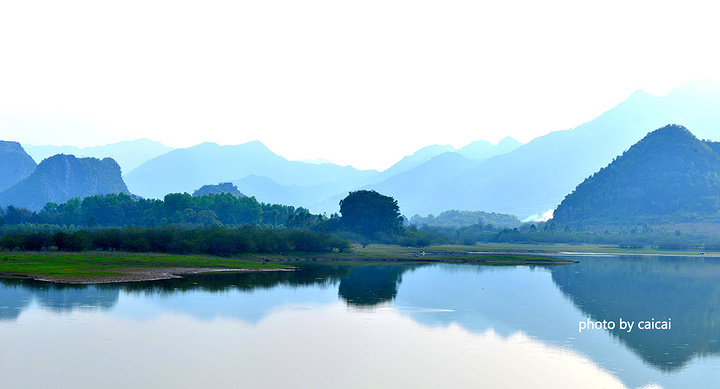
536 177
271 178
668 175
528 179
414 176
410 186
15 164
481 150
183 170
266 190
128 154
410 161
62 177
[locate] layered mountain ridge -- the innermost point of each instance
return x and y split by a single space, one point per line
128 154
62 177
506 178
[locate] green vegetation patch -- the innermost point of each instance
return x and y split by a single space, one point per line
60 265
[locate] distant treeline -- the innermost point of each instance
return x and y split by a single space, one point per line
220 241
118 210
459 219
631 237
135 224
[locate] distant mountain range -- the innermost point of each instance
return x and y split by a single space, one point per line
62 177
536 177
270 178
667 176
153 170
481 150
509 178
184 170
128 154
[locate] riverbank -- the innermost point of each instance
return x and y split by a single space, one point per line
106 267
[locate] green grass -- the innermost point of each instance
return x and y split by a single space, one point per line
101 264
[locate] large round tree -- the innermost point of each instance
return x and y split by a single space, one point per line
368 212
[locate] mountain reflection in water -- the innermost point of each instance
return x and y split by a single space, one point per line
637 289
544 303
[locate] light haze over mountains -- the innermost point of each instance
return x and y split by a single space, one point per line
508 177
128 154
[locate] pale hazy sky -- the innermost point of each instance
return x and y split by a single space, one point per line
355 82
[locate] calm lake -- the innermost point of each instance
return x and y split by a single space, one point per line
373 326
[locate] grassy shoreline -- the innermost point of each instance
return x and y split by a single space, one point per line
103 266
95 266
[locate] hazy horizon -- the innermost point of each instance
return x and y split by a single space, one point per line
332 80
314 160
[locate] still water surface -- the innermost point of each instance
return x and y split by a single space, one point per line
411 326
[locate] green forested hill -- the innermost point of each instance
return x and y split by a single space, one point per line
668 176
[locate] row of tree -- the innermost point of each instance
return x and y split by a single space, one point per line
181 223
457 219
630 237
120 209
216 240
365 217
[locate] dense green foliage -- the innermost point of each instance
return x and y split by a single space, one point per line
668 176
206 240
458 219
177 208
370 214
666 238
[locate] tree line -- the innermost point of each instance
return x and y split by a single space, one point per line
115 210
181 223
216 240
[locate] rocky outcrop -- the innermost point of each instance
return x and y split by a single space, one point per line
62 177
15 164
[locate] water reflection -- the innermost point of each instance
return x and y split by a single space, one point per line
310 275
538 304
644 288
17 295
370 285
326 347
359 286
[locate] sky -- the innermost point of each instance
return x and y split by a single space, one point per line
355 82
